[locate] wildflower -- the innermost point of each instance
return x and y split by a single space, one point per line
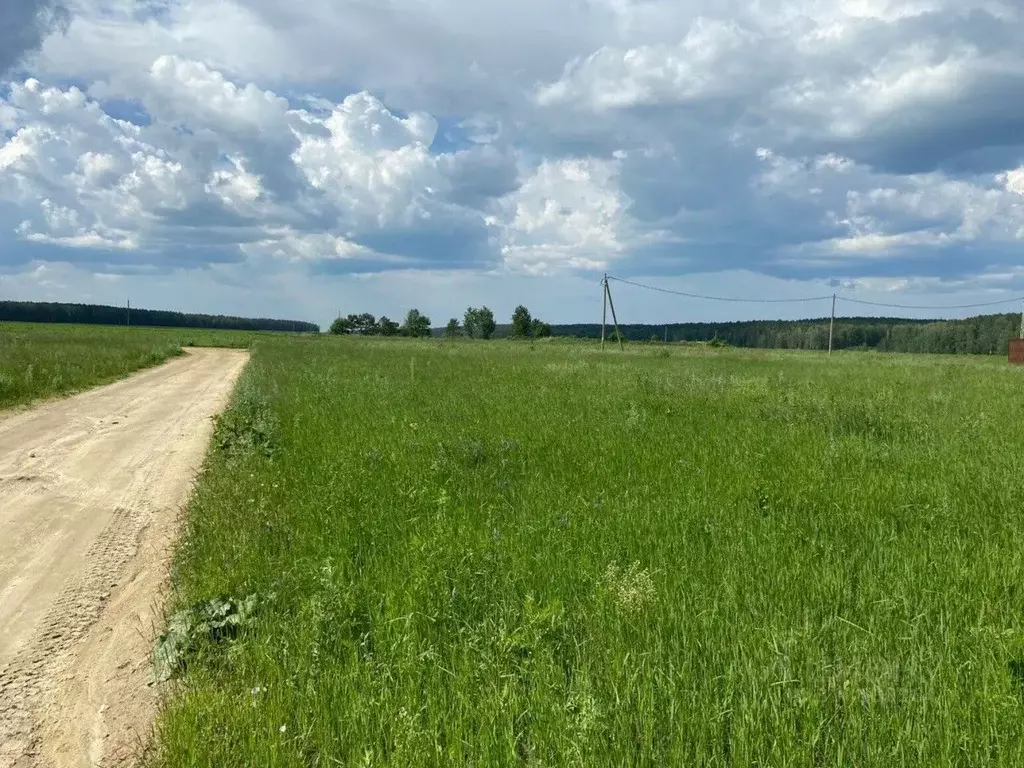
630 589
283 728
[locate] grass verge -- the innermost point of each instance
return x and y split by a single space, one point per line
43 360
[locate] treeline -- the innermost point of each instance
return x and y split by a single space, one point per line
477 323
97 314
365 324
982 335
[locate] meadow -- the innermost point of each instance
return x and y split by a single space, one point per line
423 553
43 360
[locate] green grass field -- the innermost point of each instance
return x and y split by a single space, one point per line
501 554
41 360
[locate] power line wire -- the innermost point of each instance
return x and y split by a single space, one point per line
817 298
716 298
932 306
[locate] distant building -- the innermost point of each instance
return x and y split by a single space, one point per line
1017 351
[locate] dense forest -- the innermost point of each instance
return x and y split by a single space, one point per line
95 314
983 335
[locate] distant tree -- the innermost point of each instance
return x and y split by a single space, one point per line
471 323
342 326
539 329
387 327
521 323
479 323
486 323
364 323
416 324
452 331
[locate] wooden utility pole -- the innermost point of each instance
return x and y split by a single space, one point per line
129 315
611 304
604 307
832 324
1022 323
666 334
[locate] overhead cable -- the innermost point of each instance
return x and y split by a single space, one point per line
931 306
716 298
840 297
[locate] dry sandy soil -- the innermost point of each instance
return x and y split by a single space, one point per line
90 493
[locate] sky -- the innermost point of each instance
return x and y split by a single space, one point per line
299 160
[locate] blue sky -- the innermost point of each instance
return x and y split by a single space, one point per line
300 159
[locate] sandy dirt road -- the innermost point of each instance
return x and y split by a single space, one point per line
91 488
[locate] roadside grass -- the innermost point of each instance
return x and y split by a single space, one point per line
42 360
504 554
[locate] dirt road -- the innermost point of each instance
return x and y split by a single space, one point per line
90 491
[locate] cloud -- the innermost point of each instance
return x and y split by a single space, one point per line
901 86
25 24
237 167
707 65
809 140
567 214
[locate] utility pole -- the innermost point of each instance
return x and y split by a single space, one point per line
832 324
129 315
1022 323
604 307
615 320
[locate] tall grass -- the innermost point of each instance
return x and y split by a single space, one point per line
41 360
500 554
